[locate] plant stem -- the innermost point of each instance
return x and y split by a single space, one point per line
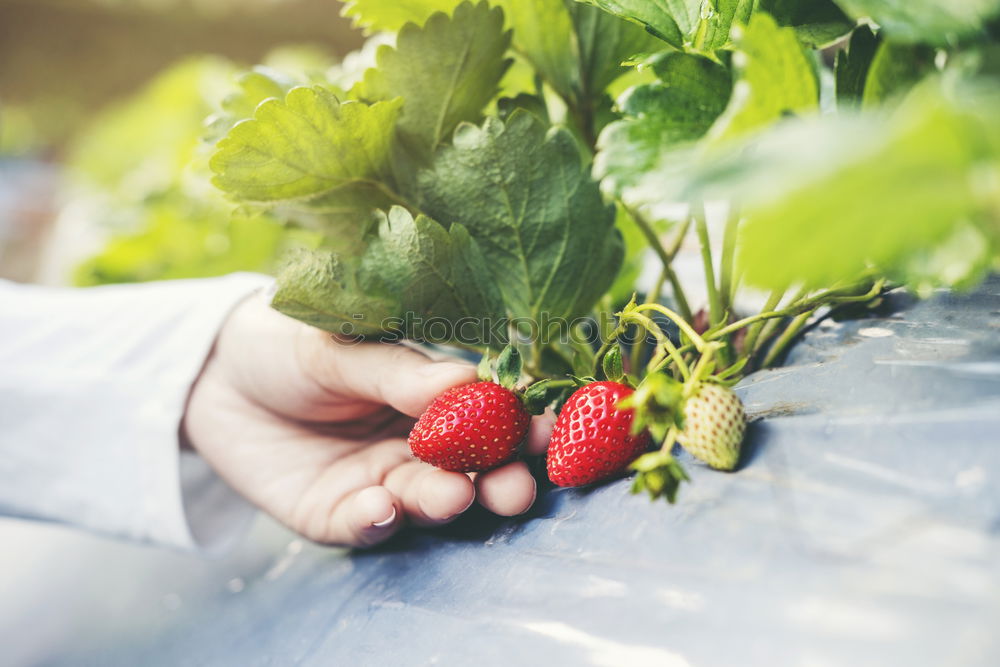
654 294
787 336
679 239
727 262
772 302
670 439
561 383
766 334
662 339
681 323
715 312
638 345
666 257
797 306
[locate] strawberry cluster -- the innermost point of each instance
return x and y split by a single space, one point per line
597 436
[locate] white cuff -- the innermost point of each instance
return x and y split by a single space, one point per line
94 385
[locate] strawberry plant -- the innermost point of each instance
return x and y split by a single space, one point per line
497 171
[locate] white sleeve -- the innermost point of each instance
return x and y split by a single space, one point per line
93 385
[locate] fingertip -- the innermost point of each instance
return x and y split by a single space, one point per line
376 515
443 495
540 432
413 394
508 491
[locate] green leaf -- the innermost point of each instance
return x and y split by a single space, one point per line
143 144
775 79
530 103
509 367
659 475
604 42
484 370
546 393
673 21
852 65
656 402
612 364
183 238
691 93
305 145
412 270
875 192
523 194
536 397
391 15
320 289
817 23
895 69
445 72
703 25
543 35
715 25
254 87
935 22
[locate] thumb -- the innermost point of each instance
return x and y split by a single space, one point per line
390 374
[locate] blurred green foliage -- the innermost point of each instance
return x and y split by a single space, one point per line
141 168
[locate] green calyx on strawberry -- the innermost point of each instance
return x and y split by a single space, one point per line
475 427
713 426
593 439
658 474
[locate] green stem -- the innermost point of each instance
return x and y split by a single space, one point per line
679 239
670 439
766 334
715 311
727 262
666 257
668 347
796 307
681 323
561 383
638 346
772 302
703 367
787 336
654 294
679 297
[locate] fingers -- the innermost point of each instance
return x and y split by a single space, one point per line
364 518
393 375
540 433
430 496
508 490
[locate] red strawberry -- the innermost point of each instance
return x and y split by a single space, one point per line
592 439
470 428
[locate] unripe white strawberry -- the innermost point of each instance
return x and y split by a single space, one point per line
714 425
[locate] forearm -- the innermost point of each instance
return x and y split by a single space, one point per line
93 384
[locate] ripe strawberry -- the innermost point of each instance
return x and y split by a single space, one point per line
592 439
714 424
470 428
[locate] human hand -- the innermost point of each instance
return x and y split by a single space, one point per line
313 431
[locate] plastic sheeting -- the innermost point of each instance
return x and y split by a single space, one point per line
863 528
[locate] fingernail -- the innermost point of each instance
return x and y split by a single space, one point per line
385 522
439 368
461 511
